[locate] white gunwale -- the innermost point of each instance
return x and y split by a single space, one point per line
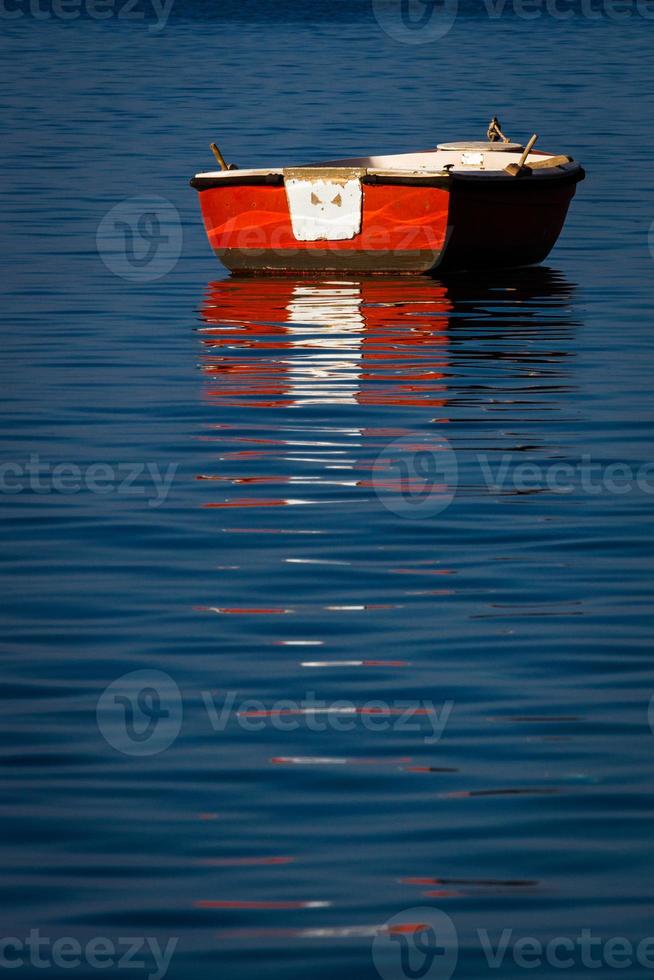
429 164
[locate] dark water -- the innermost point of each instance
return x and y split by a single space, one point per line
331 473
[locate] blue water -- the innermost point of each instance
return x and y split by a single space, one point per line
322 472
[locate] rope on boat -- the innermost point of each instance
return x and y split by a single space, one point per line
494 131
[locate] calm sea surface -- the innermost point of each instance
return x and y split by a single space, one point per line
380 551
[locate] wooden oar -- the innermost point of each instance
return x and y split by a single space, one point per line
550 162
515 169
219 157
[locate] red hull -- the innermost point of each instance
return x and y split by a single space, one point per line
403 229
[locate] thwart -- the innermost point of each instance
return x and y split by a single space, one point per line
463 205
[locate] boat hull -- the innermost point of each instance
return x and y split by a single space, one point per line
500 225
407 227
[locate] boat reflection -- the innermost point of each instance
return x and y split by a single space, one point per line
293 342
344 367
326 342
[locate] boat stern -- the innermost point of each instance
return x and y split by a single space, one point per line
316 219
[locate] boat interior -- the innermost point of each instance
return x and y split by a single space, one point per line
465 158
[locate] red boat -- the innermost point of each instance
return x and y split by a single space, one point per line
466 205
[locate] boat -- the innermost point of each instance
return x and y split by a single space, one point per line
461 206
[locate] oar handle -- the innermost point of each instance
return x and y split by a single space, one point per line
219 157
527 151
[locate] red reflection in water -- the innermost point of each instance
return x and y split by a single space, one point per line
375 342
406 927
442 893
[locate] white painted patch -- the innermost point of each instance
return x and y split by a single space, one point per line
324 209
